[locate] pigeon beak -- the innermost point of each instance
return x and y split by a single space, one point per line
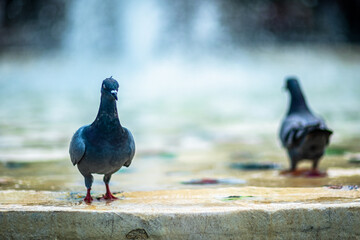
114 94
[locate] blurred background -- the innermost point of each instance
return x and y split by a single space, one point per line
200 86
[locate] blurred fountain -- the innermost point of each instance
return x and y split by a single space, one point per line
140 31
113 29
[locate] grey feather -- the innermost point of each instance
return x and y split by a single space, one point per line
104 146
302 133
77 147
132 148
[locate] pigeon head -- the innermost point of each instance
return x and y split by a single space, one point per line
292 83
109 88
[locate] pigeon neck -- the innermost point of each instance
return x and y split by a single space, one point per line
107 117
298 102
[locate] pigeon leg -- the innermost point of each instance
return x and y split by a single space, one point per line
88 183
292 171
293 165
293 162
314 171
108 195
88 198
315 164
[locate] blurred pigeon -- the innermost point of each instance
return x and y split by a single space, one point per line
104 146
303 134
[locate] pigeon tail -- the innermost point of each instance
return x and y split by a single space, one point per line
298 134
307 129
322 131
295 134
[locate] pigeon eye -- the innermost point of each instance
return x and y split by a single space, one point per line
104 87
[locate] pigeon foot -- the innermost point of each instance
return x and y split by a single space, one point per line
315 173
303 173
88 198
108 195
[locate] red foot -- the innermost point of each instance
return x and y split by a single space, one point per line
315 173
108 195
295 173
88 198
303 173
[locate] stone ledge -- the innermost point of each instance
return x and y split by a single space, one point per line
185 214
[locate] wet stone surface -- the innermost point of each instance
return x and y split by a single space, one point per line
206 213
224 165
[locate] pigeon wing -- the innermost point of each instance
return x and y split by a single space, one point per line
77 147
132 147
295 127
323 129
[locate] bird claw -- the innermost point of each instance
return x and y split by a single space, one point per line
303 173
315 173
88 199
292 173
109 196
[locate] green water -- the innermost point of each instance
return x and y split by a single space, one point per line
191 117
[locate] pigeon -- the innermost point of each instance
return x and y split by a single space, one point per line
104 146
303 134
